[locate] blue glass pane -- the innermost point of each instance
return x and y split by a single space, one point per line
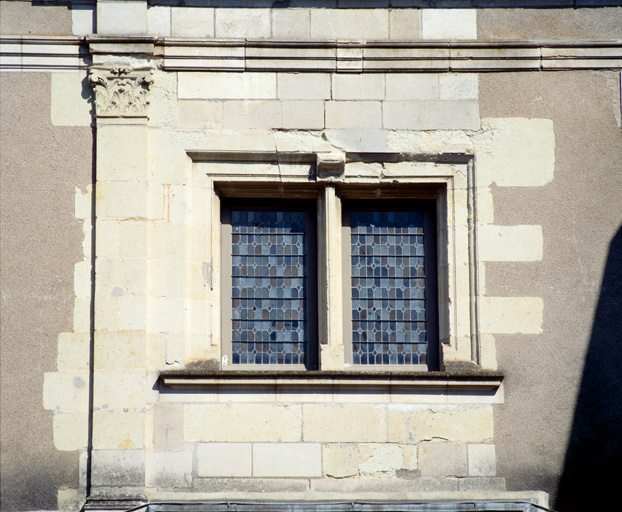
269 287
388 288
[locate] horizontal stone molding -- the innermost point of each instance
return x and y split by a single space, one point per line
476 380
329 56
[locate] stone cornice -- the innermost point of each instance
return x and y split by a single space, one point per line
47 53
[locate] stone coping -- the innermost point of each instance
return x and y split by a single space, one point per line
473 379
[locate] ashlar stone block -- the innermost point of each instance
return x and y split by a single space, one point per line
380 460
340 460
482 460
346 86
449 24
510 243
261 422
411 424
353 114
225 460
344 423
118 430
443 459
243 23
121 18
511 315
304 86
192 22
66 391
287 460
291 23
168 470
356 24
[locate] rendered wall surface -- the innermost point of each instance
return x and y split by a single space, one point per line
42 165
528 161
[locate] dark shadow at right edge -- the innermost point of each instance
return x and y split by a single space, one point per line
592 474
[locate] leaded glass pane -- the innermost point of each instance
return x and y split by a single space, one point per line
388 288
269 287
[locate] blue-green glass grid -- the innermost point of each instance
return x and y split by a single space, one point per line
388 287
269 292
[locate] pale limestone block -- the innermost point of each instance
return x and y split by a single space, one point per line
488 351
346 86
165 351
411 424
120 349
301 393
254 140
71 431
253 114
159 21
353 114
257 393
200 114
132 313
158 201
243 23
69 106
303 86
167 279
116 389
408 395
449 24
410 453
122 200
485 206
356 394
82 19
482 460
167 241
225 460
357 24
198 317
82 315
251 86
132 238
200 276
287 460
340 460
380 460
163 100
168 469
303 115
412 86
118 429
516 152
66 391
107 239
122 153
83 205
344 423
443 459
511 315
192 22
121 18
261 423
404 24
431 115
73 351
118 468
431 143
509 243
458 86
291 24
168 435
82 279
332 357
166 315
121 277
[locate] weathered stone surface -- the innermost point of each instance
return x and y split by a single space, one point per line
482 460
347 86
262 422
412 86
168 428
121 18
225 459
118 468
380 460
443 459
304 86
449 24
344 423
287 460
340 460
66 391
118 430
168 470
244 86
192 22
413 424
71 431
510 315
291 23
353 114
404 24
481 484
370 24
510 243
243 23
251 485
431 115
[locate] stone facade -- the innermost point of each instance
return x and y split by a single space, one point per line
168 107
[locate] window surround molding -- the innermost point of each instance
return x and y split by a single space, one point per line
330 176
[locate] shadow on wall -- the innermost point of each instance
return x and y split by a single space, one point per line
592 469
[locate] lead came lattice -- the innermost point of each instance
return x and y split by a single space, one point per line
388 288
269 287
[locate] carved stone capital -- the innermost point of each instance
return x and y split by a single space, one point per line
121 91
